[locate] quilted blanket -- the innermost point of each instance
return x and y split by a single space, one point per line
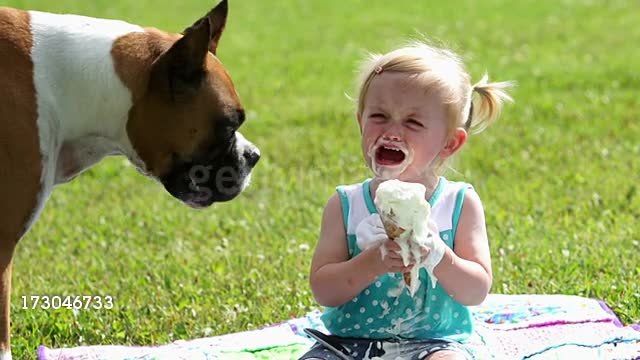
506 327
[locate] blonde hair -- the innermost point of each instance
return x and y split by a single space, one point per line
441 70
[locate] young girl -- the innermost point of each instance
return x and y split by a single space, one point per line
415 110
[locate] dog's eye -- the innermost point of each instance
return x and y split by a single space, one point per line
232 121
239 117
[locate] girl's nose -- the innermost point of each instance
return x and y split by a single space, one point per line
391 137
393 132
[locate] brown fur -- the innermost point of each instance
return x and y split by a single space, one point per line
182 96
168 137
20 157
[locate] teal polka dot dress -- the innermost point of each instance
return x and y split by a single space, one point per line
385 309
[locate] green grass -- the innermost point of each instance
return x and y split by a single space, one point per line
558 173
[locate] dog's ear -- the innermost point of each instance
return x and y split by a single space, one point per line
217 19
180 70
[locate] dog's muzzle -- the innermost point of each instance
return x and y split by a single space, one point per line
221 177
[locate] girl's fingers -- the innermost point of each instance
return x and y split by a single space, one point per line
392 246
394 256
400 267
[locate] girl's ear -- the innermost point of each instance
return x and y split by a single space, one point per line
454 143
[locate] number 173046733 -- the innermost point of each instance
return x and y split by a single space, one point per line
70 302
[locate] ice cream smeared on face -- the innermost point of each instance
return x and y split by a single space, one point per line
389 159
405 215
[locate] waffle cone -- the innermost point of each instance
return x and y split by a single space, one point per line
407 278
394 231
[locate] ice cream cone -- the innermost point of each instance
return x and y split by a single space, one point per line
404 212
394 231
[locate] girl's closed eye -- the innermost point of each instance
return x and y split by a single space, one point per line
415 124
378 116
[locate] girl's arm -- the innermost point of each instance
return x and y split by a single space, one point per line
336 279
465 272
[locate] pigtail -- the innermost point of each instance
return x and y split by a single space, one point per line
492 96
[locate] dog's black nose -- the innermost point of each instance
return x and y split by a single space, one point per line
252 156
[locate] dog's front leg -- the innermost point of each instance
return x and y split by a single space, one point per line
6 256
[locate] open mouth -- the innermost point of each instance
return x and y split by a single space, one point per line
389 156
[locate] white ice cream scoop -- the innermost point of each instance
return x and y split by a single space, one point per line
405 214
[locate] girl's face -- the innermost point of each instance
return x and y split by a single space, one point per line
404 128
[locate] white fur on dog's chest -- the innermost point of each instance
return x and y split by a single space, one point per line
82 103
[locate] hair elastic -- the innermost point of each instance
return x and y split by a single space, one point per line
378 70
467 124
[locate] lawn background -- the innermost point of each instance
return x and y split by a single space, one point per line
558 173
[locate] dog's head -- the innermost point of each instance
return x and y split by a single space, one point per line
185 126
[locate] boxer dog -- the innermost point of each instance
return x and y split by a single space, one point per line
75 89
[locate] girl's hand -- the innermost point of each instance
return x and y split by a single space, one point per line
424 253
370 232
391 260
